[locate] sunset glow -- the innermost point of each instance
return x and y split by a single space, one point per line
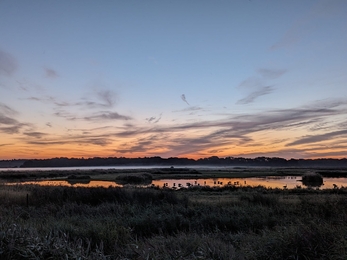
173 79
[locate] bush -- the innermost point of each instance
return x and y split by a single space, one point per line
136 178
312 179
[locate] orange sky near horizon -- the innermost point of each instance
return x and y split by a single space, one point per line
190 79
74 150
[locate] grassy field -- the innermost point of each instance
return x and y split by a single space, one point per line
195 223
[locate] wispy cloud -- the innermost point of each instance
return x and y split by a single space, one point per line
258 86
14 129
284 153
150 119
189 109
318 138
271 73
236 130
7 110
34 99
199 137
107 116
183 97
104 98
50 73
101 141
8 124
99 116
87 131
91 107
66 115
107 97
254 95
70 139
100 99
148 144
251 83
190 145
154 119
8 64
37 135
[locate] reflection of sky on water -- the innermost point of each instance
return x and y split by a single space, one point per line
289 182
269 182
91 184
329 182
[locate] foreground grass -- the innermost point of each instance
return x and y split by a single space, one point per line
194 223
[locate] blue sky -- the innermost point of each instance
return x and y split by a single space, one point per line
173 78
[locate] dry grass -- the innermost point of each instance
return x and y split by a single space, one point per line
13 195
196 223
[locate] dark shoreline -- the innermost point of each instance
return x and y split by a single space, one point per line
111 174
212 161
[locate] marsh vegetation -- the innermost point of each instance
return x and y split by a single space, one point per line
181 177
111 174
312 179
134 178
157 173
195 223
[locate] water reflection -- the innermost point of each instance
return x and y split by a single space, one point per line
77 183
269 182
283 182
74 181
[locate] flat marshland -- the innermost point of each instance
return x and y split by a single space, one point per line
156 173
39 222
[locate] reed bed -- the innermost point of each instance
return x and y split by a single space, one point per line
194 223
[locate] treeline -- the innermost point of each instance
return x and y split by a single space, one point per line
174 161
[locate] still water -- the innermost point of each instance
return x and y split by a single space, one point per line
284 182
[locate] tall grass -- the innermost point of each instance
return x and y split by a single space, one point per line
138 223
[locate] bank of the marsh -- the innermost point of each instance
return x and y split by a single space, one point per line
114 174
194 223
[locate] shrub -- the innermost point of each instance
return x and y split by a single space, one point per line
312 179
136 178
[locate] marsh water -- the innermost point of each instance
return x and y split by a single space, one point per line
284 182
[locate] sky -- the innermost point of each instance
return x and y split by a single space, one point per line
173 78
